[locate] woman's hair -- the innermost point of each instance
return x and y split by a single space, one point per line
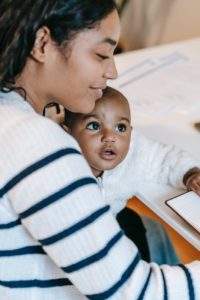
21 19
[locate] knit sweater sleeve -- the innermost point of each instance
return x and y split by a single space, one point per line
51 188
161 163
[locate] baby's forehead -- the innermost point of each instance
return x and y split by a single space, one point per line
114 101
109 108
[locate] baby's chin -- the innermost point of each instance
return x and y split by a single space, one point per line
98 171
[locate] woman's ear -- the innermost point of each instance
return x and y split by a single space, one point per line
43 38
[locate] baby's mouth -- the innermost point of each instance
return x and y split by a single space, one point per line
108 154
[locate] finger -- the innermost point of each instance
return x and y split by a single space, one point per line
196 189
193 181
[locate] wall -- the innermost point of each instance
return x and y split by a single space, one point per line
147 23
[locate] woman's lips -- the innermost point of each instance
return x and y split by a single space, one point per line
97 92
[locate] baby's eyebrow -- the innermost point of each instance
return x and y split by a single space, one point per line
124 119
96 116
85 117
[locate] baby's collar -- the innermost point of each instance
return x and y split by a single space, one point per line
100 175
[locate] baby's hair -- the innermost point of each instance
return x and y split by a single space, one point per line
69 118
108 92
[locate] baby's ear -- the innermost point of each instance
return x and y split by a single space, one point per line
66 128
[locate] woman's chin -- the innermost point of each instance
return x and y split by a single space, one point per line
88 107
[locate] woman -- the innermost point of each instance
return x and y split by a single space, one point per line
58 238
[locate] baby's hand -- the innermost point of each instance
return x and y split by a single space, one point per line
192 180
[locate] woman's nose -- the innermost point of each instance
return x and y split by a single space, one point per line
111 71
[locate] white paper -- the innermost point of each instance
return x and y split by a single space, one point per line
162 85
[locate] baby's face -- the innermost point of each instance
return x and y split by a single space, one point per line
104 134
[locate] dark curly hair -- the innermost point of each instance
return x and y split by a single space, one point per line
21 19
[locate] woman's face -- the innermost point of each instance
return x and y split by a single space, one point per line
77 82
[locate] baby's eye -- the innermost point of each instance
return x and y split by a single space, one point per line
121 128
93 126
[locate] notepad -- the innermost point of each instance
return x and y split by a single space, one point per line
187 206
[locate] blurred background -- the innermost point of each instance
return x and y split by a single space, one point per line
147 23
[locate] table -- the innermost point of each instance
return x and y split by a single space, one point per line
178 64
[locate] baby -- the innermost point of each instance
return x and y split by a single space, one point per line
122 159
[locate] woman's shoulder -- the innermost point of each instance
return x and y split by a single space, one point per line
46 133
23 128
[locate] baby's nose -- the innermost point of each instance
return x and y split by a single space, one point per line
108 136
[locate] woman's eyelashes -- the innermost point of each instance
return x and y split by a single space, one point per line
102 57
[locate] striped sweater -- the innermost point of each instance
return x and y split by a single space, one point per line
58 238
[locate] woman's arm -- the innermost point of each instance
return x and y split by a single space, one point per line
59 203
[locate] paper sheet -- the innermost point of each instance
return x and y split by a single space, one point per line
162 85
